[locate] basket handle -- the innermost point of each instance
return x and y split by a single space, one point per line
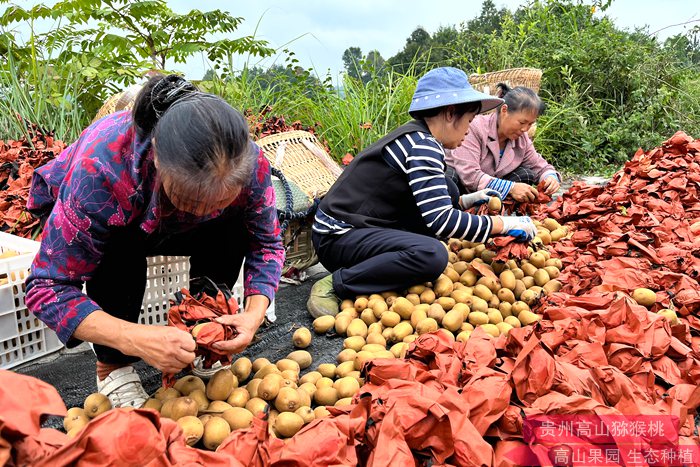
289 214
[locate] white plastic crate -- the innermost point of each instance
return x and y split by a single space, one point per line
22 336
167 275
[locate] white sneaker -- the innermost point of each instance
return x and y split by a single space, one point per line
123 388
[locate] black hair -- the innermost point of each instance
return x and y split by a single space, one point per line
199 139
520 98
460 109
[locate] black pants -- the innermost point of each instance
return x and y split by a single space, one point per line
519 175
372 260
216 249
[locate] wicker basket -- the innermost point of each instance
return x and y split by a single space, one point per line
302 159
120 101
304 163
528 77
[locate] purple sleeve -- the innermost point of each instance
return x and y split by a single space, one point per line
91 200
264 261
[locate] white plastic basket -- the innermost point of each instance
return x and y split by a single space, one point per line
22 336
167 275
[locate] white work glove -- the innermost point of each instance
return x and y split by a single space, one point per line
477 198
520 227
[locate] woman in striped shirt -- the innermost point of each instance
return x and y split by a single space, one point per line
377 229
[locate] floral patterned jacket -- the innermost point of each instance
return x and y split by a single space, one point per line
107 180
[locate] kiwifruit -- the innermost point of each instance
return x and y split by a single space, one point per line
326 396
288 364
324 382
376 338
192 429
346 387
311 377
327 370
354 342
77 426
321 411
287 424
344 368
238 397
287 400
256 405
221 385
96 404
269 387
238 418
644 297
189 383
323 324
215 432
182 407
152 403
242 368
163 394
200 398
427 325
218 406
306 413
258 363
301 338
75 416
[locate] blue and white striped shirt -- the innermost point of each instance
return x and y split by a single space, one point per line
422 159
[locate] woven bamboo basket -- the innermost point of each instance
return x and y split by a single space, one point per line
302 159
304 162
120 101
528 77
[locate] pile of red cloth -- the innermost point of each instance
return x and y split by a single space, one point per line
18 159
640 230
446 403
197 315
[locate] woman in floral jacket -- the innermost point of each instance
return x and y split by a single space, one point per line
178 176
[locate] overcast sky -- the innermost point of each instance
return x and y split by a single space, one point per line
329 27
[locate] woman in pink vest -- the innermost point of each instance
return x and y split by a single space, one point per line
498 154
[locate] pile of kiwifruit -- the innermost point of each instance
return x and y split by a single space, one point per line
375 326
460 300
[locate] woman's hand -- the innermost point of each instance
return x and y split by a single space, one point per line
246 324
477 198
551 184
523 193
166 348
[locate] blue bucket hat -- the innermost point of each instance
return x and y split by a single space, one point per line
445 86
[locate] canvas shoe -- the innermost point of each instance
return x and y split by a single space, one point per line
322 300
123 388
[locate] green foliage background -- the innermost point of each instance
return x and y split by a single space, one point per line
608 91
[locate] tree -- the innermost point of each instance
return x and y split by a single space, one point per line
113 42
413 53
209 75
488 21
373 66
352 60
